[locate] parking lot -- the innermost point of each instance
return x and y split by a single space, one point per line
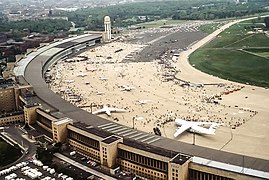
32 169
87 165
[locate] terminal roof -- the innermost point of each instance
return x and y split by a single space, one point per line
92 130
150 148
39 131
111 139
66 44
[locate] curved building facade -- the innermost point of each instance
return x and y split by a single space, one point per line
114 145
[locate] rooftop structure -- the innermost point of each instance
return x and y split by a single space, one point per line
107 24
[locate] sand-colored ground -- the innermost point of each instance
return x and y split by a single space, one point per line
243 112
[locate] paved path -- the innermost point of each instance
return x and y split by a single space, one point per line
29 147
85 168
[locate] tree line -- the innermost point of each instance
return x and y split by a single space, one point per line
127 14
124 15
44 26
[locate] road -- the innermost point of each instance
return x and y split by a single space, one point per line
85 168
17 135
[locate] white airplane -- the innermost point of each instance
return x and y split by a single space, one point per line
142 102
81 75
126 88
108 110
103 78
69 81
100 93
195 127
91 69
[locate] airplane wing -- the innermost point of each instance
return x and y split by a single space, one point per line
204 123
116 110
108 112
98 111
181 130
203 130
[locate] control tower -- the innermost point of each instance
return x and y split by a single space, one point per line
107 24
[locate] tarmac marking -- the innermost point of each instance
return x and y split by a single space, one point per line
119 130
104 125
135 135
127 134
151 137
128 130
145 135
110 126
114 128
153 140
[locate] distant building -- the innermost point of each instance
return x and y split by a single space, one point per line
107 24
241 1
10 95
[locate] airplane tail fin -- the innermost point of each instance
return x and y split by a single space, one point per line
176 133
212 128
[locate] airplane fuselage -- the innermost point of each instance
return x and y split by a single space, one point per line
195 127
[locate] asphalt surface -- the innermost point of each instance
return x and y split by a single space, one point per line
177 40
16 134
81 166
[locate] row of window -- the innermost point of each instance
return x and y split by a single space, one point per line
6 91
91 153
145 161
55 135
141 171
12 119
84 140
10 122
7 101
194 174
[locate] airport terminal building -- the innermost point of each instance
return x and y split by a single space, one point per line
112 145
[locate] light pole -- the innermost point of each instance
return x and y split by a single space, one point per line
133 122
193 140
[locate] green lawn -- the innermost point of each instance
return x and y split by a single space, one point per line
232 65
8 153
209 28
259 51
255 40
264 54
223 56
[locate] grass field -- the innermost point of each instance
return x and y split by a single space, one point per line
8 153
236 55
209 28
259 51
